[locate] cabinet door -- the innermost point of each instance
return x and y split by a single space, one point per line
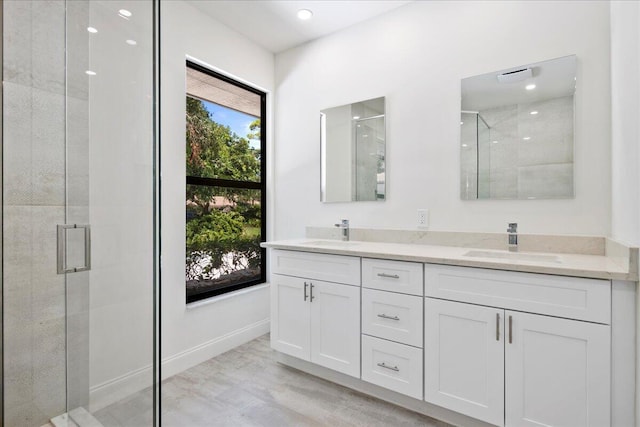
290 316
464 359
335 327
557 372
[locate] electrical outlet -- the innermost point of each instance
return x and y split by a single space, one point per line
423 218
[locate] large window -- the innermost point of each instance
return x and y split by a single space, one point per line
225 197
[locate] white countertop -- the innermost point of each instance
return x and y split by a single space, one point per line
591 266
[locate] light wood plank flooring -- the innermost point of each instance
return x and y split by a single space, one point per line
247 387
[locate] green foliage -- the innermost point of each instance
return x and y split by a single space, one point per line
224 239
216 235
213 151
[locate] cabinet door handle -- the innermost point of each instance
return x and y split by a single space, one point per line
384 316
391 368
497 326
305 290
311 294
391 276
510 329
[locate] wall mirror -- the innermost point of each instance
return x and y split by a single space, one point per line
352 139
516 132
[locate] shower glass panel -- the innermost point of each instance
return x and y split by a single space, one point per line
484 158
468 155
79 229
475 156
369 171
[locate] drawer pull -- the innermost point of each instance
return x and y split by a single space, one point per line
497 326
390 276
391 368
384 316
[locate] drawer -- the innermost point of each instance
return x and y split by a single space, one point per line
569 297
330 268
394 276
397 367
396 317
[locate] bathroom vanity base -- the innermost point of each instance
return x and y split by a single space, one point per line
580 334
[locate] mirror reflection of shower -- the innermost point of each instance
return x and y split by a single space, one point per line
475 158
352 152
369 167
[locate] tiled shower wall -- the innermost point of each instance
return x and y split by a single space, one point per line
39 173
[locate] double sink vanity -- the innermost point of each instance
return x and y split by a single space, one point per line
468 335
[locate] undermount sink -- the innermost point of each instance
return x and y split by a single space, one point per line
330 243
514 256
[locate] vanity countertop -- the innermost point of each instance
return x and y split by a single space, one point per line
590 266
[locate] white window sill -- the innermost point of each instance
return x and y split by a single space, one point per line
223 297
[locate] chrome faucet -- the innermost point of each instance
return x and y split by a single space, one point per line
513 236
344 225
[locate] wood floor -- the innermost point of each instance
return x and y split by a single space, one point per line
246 387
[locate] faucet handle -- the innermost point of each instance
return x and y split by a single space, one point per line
513 227
343 223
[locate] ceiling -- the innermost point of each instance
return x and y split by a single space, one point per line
274 25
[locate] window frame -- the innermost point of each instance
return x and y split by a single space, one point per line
249 185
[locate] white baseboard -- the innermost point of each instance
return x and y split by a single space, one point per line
191 357
103 395
111 391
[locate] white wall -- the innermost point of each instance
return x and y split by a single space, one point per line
625 112
192 335
416 56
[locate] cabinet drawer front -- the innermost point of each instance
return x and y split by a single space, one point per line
569 297
394 276
391 365
392 316
330 268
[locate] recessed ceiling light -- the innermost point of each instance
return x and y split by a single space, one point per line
465 145
533 113
125 13
495 142
461 123
305 14
356 117
530 87
90 73
526 138
131 42
92 30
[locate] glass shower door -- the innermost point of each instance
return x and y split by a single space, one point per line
110 186
79 183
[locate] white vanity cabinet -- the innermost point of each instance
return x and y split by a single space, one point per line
517 368
312 318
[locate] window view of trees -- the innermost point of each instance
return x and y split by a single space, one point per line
223 203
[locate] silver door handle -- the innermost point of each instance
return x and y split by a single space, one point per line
391 368
62 248
391 276
497 326
305 290
384 316
311 295
510 329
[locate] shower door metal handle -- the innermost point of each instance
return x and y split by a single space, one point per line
62 248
